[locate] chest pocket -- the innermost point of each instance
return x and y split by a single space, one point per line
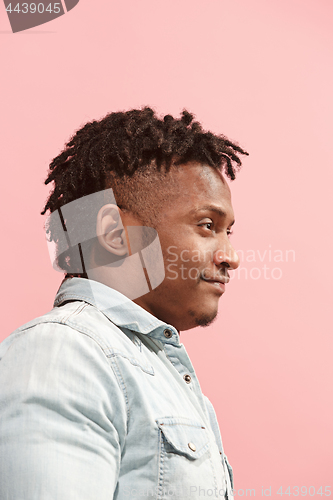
183 436
186 465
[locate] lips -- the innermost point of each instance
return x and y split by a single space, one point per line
217 279
217 283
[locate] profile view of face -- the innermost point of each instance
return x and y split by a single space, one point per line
177 270
194 230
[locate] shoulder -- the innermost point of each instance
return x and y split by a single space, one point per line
62 352
74 321
56 379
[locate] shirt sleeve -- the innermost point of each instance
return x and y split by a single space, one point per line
62 417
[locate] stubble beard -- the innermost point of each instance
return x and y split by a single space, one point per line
203 319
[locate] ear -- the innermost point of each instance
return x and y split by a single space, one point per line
110 230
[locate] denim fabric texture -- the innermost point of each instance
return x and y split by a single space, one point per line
94 406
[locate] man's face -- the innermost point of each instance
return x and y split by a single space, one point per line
194 230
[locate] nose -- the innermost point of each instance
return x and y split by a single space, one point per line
226 256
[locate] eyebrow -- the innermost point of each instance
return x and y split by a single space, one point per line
212 208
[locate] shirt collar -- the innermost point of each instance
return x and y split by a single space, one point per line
116 307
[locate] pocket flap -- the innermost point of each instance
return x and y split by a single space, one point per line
185 435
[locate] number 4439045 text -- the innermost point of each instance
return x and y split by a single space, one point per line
32 8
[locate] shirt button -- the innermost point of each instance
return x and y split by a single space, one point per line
187 378
192 446
167 334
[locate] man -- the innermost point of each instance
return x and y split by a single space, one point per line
99 399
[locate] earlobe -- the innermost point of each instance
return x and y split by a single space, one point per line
110 230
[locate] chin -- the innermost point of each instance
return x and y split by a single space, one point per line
203 319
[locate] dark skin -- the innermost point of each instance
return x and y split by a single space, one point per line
194 221
194 231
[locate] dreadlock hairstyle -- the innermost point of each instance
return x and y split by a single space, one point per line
129 152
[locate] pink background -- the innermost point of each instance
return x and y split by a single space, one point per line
260 72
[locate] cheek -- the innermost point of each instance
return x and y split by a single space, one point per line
185 259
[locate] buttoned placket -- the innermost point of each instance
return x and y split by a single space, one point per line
168 339
179 358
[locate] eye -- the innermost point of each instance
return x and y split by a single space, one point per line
230 232
208 225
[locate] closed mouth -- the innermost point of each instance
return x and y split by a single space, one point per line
223 280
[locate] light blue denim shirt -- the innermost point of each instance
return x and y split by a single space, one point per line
99 401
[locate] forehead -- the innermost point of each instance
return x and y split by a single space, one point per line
198 186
